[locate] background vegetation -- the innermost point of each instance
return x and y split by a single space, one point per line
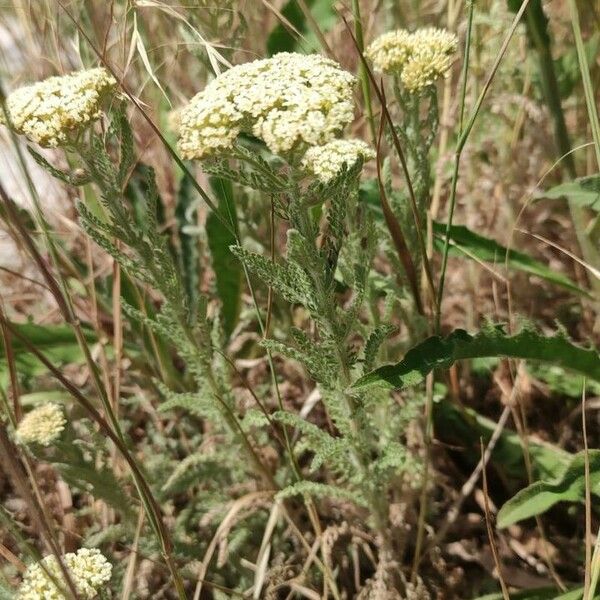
280 388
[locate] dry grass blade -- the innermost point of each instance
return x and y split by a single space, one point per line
588 502
490 530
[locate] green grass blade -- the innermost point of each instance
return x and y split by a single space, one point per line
228 270
542 495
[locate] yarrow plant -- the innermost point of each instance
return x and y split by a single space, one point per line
43 425
418 58
287 101
54 111
88 569
250 364
328 160
415 62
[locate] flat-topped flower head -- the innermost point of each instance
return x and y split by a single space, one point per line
424 69
418 58
88 568
390 51
42 425
50 112
327 161
433 39
286 101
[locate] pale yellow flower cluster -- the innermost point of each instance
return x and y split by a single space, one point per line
42 425
49 112
418 58
88 568
327 161
287 100
390 51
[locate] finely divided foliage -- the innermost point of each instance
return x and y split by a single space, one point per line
249 407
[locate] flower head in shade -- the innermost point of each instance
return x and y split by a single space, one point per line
390 51
287 100
327 161
418 58
49 112
42 425
88 568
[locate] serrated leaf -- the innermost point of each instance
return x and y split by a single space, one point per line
320 490
228 270
373 344
73 178
287 278
100 483
542 495
441 352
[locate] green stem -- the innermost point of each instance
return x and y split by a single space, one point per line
460 144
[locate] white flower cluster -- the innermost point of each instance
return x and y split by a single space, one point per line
49 111
88 568
42 425
419 58
285 100
327 161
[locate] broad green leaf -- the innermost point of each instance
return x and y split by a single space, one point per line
468 243
228 270
464 428
584 191
542 495
439 352
189 253
57 342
